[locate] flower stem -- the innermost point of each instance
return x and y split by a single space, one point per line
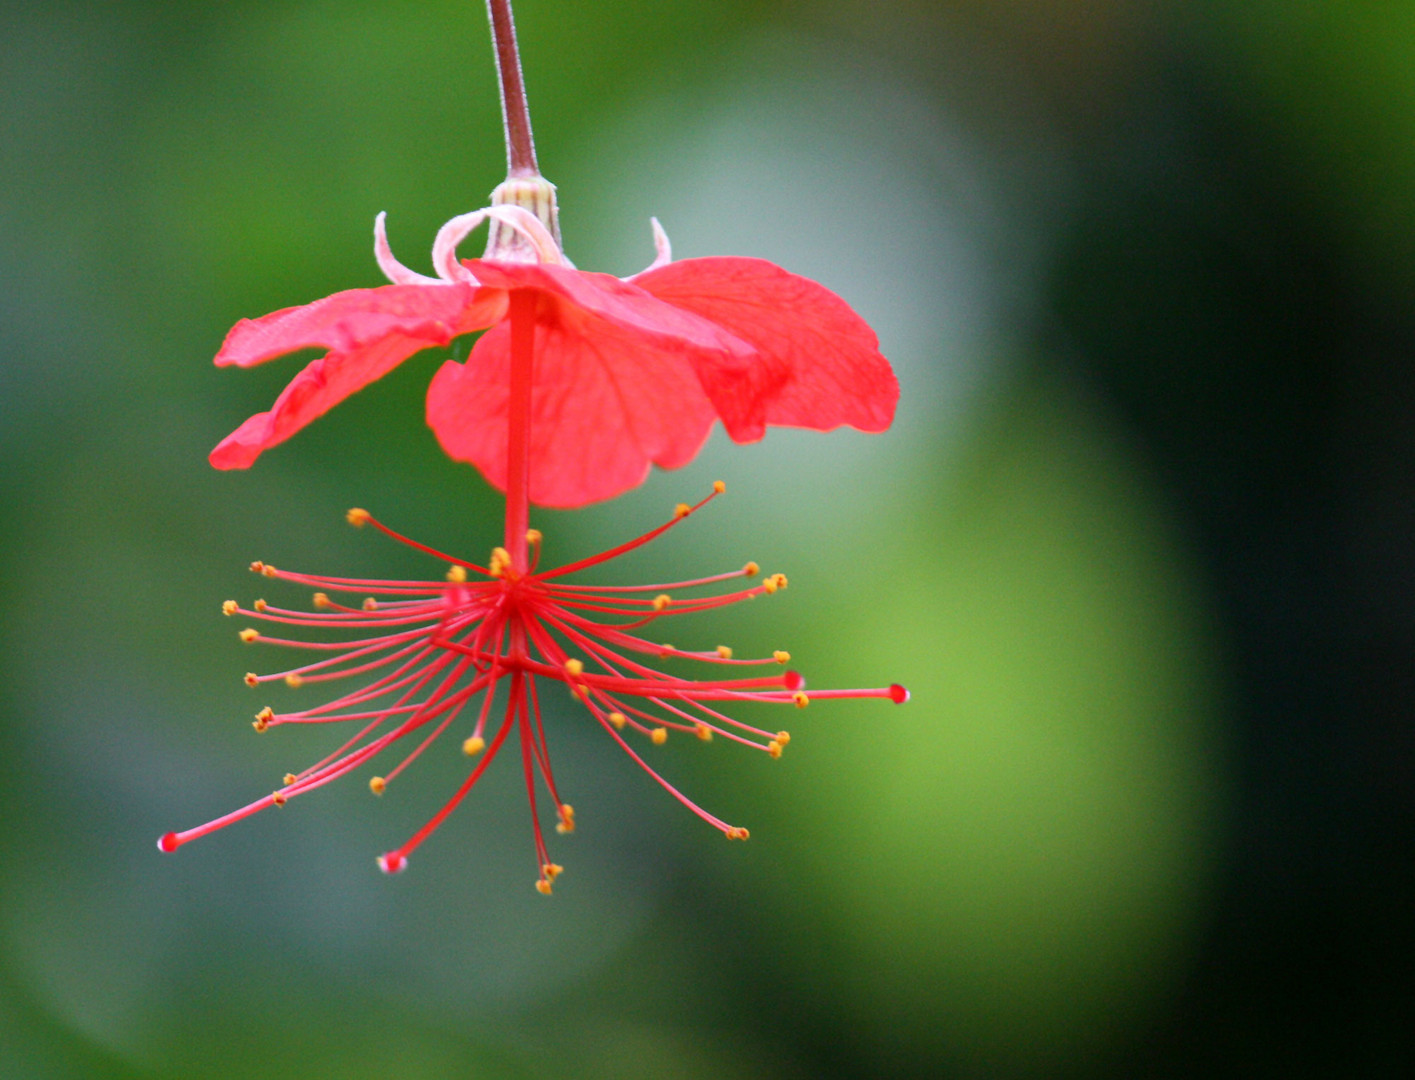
518 426
515 114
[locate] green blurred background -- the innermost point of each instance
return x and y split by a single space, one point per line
1139 542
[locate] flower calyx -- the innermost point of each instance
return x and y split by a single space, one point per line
510 243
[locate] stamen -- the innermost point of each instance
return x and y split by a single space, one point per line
500 562
432 648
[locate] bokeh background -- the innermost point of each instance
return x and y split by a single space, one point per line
1139 542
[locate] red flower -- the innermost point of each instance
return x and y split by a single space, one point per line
431 647
628 372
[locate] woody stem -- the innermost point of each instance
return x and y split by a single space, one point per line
515 114
518 426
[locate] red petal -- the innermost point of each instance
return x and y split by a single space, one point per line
349 319
606 402
733 373
369 332
833 371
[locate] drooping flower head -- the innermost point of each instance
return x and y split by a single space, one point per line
579 384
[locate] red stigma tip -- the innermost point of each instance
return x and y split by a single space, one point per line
898 694
392 862
793 680
167 842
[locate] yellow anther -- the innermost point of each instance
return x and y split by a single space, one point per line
260 605
248 635
618 719
665 651
252 679
552 870
563 827
543 887
321 601
580 692
357 517
377 784
293 681
290 778
534 536
262 719
457 575
267 570
574 668
474 746
718 486
769 584
661 601
278 799
682 510
567 819
370 604
781 656
567 811
500 562
659 736
257 567
751 569
800 698
703 732
725 651
783 737
229 607
774 748
737 833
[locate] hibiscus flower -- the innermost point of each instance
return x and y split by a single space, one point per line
629 373
581 382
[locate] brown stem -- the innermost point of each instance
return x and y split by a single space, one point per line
515 115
